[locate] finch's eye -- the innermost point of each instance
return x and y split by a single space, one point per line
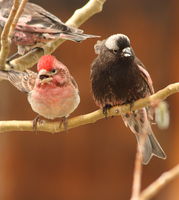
115 51
54 71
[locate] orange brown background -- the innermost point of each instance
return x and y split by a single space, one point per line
96 161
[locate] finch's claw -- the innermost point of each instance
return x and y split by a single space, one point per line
35 122
64 122
105 110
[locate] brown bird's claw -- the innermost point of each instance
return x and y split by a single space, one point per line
105 110
131 105
64 122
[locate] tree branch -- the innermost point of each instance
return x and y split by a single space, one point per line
79 17
157 185
53 127
8 30
5 35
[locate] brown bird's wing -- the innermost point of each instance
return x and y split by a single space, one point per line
146 76
23 81
148 80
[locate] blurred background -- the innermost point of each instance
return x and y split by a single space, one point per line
94 161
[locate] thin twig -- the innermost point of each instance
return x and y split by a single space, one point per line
53 127
5 37
16 18
78 18
136 186
157 185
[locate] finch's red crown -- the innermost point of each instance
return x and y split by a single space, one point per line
46 62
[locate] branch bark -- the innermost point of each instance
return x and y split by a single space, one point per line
79 17
92 117
157 185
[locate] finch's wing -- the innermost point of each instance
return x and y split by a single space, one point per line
23 81
74 83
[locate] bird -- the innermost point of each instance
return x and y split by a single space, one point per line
118 77
52 92
36 26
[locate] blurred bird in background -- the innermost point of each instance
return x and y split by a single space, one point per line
118 77
37 26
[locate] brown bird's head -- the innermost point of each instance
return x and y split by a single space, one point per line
115 48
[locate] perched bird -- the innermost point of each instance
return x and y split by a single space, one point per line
118 77
52 92
37 26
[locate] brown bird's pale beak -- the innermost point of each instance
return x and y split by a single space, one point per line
127 52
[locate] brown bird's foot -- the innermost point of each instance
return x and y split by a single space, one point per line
131 106
64 122
105 110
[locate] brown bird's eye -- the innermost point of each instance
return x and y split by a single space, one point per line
115 51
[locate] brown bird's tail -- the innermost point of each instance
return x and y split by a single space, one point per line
139 124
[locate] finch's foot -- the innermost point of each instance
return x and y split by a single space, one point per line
35 122
105 110
64 122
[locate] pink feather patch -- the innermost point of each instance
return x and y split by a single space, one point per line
46 62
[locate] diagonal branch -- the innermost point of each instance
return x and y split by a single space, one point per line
157 185
79 17
92 117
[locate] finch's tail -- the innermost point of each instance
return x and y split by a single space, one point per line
76 37
139 124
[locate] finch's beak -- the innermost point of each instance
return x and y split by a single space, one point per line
127 52
45 76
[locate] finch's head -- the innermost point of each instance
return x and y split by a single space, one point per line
51 70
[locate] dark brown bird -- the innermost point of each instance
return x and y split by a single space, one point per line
118 77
